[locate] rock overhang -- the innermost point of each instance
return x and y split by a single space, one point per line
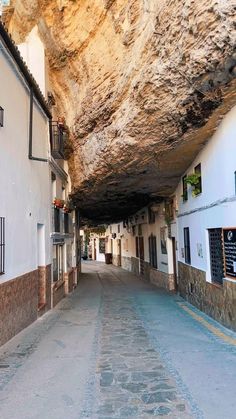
142 88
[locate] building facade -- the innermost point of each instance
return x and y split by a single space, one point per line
32 268
142 244
207 227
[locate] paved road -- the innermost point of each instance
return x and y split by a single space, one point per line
119 348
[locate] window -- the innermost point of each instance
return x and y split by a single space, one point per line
185 188
56 140
151 216
137 247
152 241
216 255
140 230
66 223
133 230
58 265
102 245
2 245
187 253
198 186
56 220
118 228
1 116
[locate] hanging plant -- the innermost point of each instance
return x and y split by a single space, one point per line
58 203
194 180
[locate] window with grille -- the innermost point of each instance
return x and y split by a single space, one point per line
185 188
216 255
198 187
56 220
152 241
66 223
187 250
2 245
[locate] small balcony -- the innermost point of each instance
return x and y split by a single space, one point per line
57 140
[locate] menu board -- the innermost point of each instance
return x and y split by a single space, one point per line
230 251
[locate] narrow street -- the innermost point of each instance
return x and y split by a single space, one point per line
117 348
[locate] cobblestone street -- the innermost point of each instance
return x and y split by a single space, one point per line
119 348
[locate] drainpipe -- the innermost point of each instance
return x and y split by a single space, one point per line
31 157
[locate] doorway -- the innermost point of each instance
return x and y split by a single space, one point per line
174 263
95 248
119 252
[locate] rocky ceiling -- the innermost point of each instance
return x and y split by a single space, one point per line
143 84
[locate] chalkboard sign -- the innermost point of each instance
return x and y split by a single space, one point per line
230 251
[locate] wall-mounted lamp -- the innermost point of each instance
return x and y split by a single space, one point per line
1 116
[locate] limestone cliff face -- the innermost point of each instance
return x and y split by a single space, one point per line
143 84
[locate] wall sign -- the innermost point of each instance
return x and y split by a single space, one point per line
229 236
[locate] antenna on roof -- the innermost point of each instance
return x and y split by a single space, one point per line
3 3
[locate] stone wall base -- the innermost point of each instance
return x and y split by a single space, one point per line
44 289
126 263
18 304
162 279
58 292
135 265
69 281
217 301
116 260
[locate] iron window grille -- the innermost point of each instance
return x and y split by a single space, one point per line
1 116
187 251
198 187
2 245
185 188
56 220
57 139
66 223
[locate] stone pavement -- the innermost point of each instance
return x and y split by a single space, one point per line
119 348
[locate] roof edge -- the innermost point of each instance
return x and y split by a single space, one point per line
15 53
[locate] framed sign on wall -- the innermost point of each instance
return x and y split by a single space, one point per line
229 243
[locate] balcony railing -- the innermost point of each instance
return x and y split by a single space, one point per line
57 140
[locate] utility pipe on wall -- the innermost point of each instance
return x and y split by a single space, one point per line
31 115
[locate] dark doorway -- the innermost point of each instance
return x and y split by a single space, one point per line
174 263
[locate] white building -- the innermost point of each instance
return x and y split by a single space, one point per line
30 180
142 244
207 227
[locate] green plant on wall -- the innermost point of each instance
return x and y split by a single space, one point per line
194 180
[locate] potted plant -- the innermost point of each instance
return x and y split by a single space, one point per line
58 203
194 179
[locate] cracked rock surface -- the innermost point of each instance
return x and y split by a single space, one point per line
143 84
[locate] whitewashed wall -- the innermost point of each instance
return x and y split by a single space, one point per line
24 184
165 261
216 205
